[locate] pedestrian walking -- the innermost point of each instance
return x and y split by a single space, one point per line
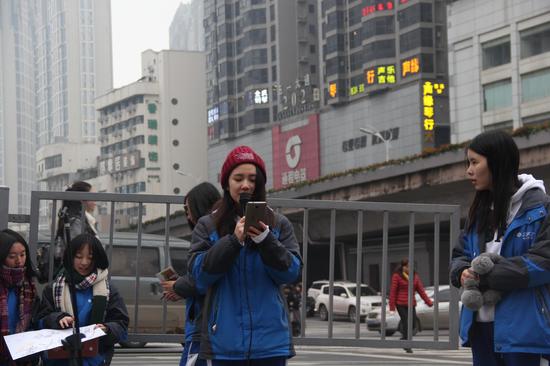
509 217
17 293
98 300
399 297
245 321
198 202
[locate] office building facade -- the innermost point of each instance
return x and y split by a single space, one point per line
73 67
186 29
499 65
257 52
17 113
152 132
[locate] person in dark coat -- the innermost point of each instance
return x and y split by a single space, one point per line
98 300
18 296
198 202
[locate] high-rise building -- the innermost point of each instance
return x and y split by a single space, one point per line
152 132
186 29
256 52
499 61
17 102
73 66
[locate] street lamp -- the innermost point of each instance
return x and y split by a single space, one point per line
371 131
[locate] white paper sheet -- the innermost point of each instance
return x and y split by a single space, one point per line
28 343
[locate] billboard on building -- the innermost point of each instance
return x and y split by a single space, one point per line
296 152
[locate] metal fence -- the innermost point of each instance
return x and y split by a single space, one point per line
362 210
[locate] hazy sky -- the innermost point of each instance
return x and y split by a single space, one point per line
138 25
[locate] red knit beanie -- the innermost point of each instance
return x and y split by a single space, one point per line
237 156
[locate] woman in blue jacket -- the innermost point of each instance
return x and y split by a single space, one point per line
98 301
509 216
245 321
17 292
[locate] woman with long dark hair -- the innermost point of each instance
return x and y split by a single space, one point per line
245 321
98 301
17 292
399 296
198 202
508 216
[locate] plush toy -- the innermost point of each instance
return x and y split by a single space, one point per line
472 297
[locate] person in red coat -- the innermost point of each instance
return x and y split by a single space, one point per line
399 296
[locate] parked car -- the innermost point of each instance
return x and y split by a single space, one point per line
315 288
374 319
123 274
344 300
426 314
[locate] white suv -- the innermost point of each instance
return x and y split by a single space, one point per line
315 288
344 300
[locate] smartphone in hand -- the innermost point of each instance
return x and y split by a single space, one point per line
257 211
167 274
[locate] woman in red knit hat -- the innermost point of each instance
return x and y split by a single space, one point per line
244 317
399 296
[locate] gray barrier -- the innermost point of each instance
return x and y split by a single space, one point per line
304 207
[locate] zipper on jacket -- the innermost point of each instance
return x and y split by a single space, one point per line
249 352
545 309
216 310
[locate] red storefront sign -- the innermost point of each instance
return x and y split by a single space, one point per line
296 153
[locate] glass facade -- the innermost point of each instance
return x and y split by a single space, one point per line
496 52
535 85
535 41
497 95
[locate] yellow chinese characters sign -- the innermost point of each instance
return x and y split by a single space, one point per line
410 67
357 89
428 103
384 74
332 90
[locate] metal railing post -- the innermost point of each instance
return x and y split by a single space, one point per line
4 206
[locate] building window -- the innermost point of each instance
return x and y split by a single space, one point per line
152 124
535 85
496 52
153 156
152 139
497 95
152 108
175 142
535 40
174 101
54 161
175 121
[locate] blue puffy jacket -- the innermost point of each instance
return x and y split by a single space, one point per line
522 317
244 314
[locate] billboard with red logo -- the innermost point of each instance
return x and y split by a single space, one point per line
296 152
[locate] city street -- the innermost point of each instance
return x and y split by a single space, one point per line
306 356
160 354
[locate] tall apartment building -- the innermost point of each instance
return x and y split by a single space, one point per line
152 132
73 66
499 64
17 113
186 29
256 52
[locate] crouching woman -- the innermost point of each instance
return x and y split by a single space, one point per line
98 301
